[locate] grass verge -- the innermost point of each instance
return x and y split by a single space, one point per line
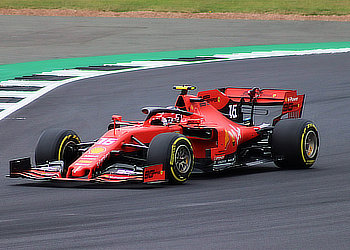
302 7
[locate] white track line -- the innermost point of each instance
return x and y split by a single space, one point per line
149 63
74 73
25 83
6 105
18 94
238 56
9 108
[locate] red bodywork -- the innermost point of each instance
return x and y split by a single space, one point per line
208 120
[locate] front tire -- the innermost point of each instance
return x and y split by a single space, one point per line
57 145
175 152
295 144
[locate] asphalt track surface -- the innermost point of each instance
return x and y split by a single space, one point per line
256 208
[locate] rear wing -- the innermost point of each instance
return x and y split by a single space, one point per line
229 101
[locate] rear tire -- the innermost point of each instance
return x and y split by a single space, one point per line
175 152
295 144
57 145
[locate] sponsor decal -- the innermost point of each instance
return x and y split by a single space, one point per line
292 99
227 138
154 173
97 150
218 158
125 171
236 132
113 177
292 103
81 164
290 106
84 161
90 156
229 161
233 111
232 137
210 99
106 141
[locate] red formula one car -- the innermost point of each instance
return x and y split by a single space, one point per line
211 131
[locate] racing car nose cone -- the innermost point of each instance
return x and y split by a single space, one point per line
79 171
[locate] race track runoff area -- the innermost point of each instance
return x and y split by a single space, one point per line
260 207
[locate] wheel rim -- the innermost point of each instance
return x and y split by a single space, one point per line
310 144
183 160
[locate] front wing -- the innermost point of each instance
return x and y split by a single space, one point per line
22 168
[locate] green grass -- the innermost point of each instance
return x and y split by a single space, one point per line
304 7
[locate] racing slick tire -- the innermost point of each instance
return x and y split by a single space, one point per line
57 144
295 144
175 152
